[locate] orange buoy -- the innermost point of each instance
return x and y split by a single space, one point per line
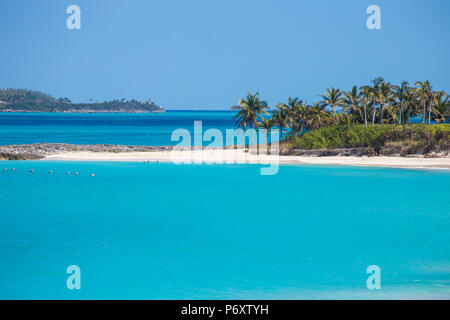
31 170
92 175
67 172
13 169
50 171
76 173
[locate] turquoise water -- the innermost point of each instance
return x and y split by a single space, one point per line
129 129
165 231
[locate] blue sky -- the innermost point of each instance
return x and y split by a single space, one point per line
207 54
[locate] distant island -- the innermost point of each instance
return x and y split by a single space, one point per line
23 100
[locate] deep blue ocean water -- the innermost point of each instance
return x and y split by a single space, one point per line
109 128
165 231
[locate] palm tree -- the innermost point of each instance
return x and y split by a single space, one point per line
374 95
267 125
352 102
280 117
250 110
316 117
383 95
442 106
291 114
412 104
401 93
304 114
292 102
332 98
366 97
379 94
424 93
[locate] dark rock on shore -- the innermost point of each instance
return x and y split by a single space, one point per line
393 151
356 152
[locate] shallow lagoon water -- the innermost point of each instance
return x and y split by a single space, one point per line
165 231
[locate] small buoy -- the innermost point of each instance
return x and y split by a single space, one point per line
67 172
76 173
31 170
50 171
92 175
13 169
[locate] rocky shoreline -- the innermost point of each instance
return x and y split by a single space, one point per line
41 150
363 151
38 151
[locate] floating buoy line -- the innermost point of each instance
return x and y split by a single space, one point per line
50 172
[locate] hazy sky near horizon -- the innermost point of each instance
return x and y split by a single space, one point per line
207 54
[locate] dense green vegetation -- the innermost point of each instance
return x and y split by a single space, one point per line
22 100
412 138
371 115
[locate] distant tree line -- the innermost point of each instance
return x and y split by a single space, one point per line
35 101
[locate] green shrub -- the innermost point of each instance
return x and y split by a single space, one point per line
374 136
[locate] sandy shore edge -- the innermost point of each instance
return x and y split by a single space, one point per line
240 156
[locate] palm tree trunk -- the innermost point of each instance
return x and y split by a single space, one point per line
373 114
251 136
257 141
429 115
381 114
365 116
424 113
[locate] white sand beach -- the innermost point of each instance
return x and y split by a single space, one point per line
240 156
